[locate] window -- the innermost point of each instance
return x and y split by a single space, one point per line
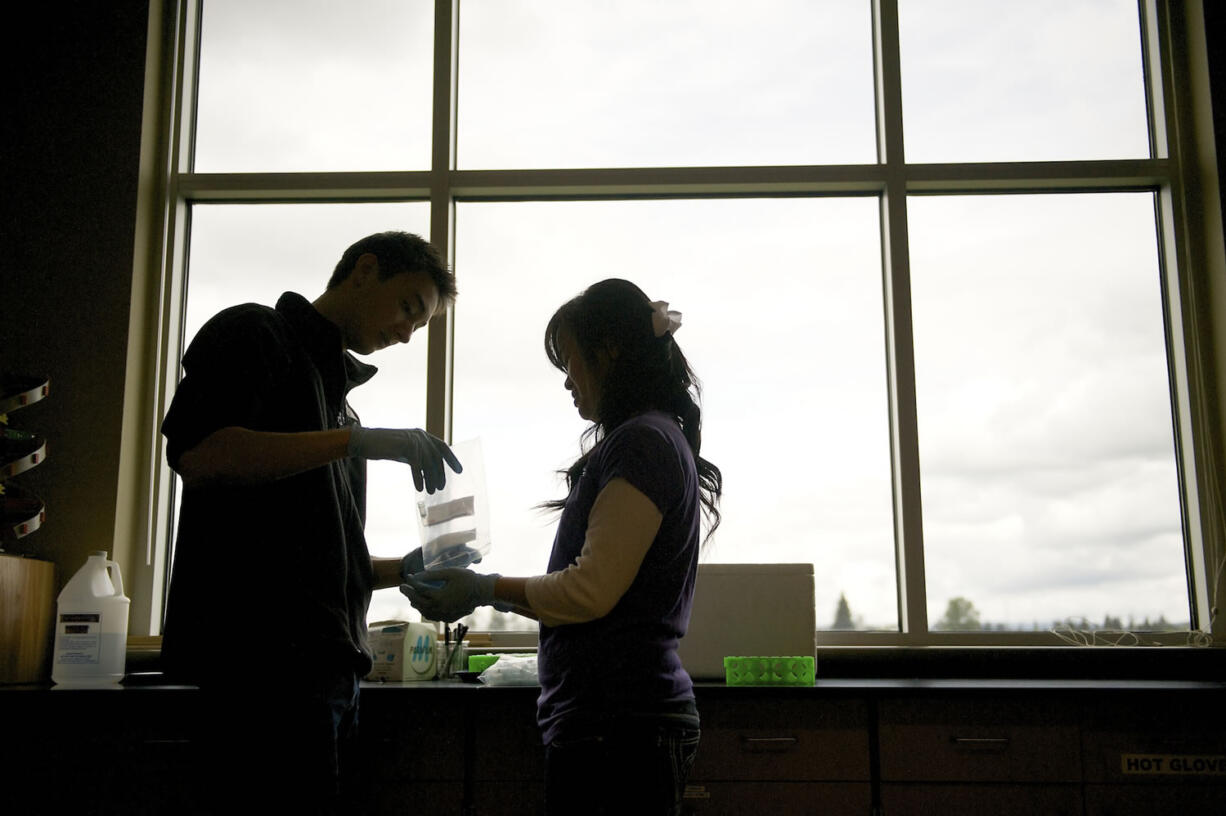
1046 441
928 253
781 338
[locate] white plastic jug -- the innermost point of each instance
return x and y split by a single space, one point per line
91 626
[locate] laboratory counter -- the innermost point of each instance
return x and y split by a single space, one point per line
846 745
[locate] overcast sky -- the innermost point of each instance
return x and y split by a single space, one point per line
1045 430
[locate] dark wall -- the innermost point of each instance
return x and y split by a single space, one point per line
72 102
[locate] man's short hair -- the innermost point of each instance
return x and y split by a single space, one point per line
399 252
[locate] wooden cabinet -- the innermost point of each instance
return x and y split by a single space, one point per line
787 749
961 753
883 748
27 617
508 758
1165 755
99 752
412 748
1099 749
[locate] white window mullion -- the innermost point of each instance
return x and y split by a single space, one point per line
1183 267
175 238
900 354
440 360
144 518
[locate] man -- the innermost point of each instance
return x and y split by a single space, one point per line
272 578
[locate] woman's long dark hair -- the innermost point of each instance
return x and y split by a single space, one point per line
645 373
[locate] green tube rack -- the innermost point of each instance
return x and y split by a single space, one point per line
769 671
481 662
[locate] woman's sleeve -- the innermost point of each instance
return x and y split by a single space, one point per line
621 527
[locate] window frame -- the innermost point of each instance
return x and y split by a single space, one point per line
1187 253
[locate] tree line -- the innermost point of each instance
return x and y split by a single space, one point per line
962 616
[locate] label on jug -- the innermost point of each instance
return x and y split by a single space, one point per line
80 640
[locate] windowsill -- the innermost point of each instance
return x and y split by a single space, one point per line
1022 662
946 663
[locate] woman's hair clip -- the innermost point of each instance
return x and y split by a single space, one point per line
664 321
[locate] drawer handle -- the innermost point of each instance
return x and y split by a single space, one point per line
982 743
768 744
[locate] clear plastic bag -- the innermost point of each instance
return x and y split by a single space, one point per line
455 521
512 670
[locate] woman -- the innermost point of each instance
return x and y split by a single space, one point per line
616 707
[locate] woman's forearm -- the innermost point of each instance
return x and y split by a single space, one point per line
512 591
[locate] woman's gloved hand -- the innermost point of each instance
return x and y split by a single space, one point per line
421 451
449 594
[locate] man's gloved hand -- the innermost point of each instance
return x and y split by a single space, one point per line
410 564
423 452
449 594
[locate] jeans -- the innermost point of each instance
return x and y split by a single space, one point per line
635 768
281 746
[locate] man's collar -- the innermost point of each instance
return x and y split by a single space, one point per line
299 310
323 335
356 371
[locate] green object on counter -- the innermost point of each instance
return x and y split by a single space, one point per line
769 671
481 662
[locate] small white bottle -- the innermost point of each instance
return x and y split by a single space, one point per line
91 627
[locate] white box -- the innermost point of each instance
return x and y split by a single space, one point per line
403 652
749 610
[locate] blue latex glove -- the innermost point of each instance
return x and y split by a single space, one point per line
424 453
449 594
412 563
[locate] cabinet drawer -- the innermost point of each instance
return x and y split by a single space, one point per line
979 799
1154 758
507 743
979 741
1154 800
1172 741
404 744
505 797
382 798
803 740
778 798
